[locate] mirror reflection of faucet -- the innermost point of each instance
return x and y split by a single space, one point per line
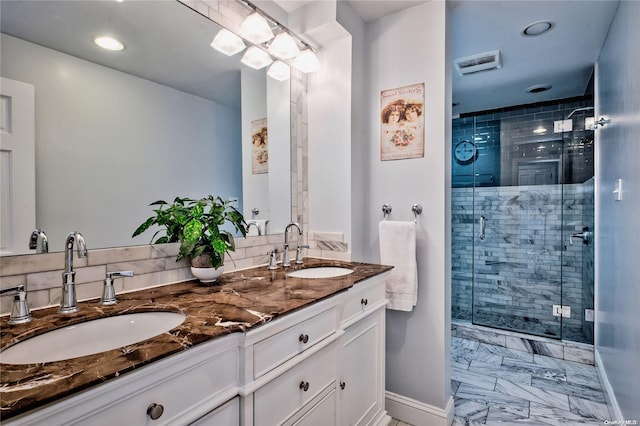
68 301
38 241
257 227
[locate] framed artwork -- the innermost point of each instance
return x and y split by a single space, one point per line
259 147
402 123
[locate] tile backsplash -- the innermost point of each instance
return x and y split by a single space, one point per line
152 265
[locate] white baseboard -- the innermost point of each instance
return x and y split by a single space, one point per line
612 402
418 413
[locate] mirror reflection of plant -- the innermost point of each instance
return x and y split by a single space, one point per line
197 226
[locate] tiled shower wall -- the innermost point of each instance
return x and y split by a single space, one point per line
525 255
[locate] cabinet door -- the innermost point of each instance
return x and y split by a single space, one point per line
227 414
321 414
362 384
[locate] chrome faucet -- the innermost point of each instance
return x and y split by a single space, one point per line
285 255
68 302
254 223
38 241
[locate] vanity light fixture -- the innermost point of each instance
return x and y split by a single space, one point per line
227 42
109 43
284 46
256 58
306 61
255 28
279 71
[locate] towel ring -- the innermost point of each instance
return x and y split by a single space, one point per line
386 210
416 209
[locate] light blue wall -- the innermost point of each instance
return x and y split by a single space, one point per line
109 143
396 55
617 237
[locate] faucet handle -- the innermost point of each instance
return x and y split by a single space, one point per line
273 258
120 274
299 253
108 291
20 312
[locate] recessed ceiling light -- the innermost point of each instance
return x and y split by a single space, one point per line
539 130
536 28
109 43
538 88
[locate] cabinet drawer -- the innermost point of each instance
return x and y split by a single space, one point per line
178 395
227 414
276 349
288 393
360 298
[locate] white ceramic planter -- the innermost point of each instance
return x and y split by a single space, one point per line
207 275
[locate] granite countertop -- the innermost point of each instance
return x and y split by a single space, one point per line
237 302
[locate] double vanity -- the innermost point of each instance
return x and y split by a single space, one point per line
303 345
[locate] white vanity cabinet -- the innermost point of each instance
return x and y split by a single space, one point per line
361 383
178 389
321 365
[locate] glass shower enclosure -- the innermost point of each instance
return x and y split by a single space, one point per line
522 219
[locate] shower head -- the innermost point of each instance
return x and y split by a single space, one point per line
579 110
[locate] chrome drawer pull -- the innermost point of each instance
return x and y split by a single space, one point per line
154 411
304 385
304 338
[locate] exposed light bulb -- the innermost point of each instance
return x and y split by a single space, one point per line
284 46
108 43
227 42
256 58
279 71
255 29
306 61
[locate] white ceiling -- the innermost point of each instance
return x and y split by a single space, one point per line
563 57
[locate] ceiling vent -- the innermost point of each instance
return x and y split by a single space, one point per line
480 62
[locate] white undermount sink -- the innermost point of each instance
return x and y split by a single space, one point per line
321 272
91 337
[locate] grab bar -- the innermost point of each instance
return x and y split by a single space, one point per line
483 222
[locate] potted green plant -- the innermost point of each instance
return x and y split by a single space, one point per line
198 226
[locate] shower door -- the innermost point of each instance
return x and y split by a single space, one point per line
517 266
526 196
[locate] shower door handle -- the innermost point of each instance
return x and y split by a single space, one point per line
483 221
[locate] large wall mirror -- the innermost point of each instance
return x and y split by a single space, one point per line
116 130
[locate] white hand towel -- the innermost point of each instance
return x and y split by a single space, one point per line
398 248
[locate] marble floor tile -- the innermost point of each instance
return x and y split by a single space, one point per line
589 409
471 410
536 370
477 379
481 336
509 353
555 416
535 347
468 355
533 394
457 342
500 371
489 397
571 389
560 392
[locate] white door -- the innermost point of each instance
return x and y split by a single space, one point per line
17 166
